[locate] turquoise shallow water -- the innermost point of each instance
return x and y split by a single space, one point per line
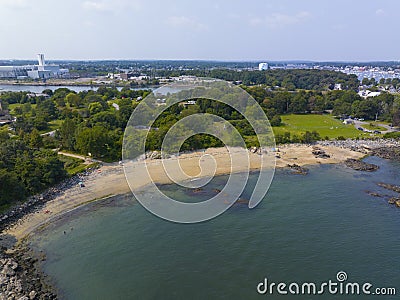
307 229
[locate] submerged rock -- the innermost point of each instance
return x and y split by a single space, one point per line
242 201
374 194
298 170
391 187
360 165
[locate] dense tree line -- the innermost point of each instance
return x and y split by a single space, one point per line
92 123
385 107
26 169
288 79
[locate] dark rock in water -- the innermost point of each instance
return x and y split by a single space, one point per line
360 165
374 194
393 200
390 187
298 170
398 203
242 201
391 152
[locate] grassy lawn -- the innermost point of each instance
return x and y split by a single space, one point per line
55 124
379 122
11 107
72 165
374 126
75 165
325 125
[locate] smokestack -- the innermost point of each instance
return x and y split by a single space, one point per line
41 62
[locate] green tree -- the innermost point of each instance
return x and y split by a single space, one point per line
67 134
95 107
94 141
73 100
11 188
35 139
276 121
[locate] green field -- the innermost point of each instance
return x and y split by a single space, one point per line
75 165
373 126
55 124
11 107
325 125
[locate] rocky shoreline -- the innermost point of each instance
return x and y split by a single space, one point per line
36 202
391 199
360 165
364 146
20 274
21 278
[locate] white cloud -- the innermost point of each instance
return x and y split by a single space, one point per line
111 5
95 5
278 20
88 23
380 12
182 21
15 4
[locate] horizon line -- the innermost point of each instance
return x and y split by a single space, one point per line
208 60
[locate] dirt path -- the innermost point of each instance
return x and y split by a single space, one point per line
87 160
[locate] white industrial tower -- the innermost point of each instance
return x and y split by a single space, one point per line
41 62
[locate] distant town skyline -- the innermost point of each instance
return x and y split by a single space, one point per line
235 30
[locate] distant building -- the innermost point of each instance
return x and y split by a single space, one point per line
338 87
263 66
40 71
368 93
348 122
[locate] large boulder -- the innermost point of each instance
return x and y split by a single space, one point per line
360 165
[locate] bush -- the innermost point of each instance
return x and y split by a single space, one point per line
392 135
276 121
310 137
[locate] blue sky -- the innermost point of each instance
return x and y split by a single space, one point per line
345 30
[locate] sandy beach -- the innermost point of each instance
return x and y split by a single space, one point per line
110 179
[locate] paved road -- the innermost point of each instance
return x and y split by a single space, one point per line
50 133
358 124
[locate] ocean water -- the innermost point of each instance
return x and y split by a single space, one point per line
307 229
